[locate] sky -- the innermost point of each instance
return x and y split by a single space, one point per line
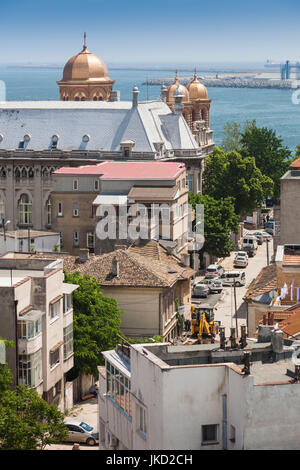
155 31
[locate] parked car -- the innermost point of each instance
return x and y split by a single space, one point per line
81 432
242 253
267 236
231 277
214 270
215 284
259 236
201 290
240 261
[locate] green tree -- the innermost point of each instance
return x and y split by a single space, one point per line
271 156
220 220
232 137
297 151
27 422
237 177
96 323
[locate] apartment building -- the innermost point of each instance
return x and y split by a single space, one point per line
159 396
37 314
83 194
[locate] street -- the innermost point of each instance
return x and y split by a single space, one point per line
224 303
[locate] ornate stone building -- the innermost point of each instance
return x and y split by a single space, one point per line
37 138
85 77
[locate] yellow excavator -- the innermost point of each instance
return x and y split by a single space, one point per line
203 324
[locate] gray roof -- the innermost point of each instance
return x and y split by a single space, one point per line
107 124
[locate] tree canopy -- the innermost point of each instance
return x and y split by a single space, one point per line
27 422
220 220
271 156
237 177
96 324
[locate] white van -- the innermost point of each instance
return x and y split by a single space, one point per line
249 244
231 277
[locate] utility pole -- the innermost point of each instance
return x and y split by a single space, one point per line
235 308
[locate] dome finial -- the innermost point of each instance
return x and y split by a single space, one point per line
195 73
84 41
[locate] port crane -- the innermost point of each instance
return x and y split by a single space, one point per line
285 68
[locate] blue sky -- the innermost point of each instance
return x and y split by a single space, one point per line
51 31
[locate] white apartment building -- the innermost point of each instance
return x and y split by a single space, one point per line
158 396
37 314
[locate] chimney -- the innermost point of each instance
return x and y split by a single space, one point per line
222 337
84 253
233 339
246 361
135 96
277 341
243 340
115 267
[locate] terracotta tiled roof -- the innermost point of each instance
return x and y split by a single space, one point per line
291 325
135 270
265 282
296 164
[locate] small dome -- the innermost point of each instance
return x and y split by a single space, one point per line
85 66
197 90
180 89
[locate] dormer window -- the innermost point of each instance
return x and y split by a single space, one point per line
21 144
127 147
54 142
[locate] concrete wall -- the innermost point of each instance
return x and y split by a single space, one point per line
289 210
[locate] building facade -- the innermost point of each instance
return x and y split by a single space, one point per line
82 194
37 314
199 397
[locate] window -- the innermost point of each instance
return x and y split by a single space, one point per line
68 305
209 433
25 210
76 238
54 310
118 388
49 211
28 329
96 185
141 419
90 240
60 209
75 209
68 341
75 185
189 182
30 369
54 358
232 434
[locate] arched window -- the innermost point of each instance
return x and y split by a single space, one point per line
25 210
17 174
3 173
30 173
24 173
45 173
2 209
49 211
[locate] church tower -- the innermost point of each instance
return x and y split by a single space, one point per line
85 78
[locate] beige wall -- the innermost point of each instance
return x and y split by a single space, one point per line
290 210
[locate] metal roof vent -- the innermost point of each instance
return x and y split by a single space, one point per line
1 137
86 138
27 137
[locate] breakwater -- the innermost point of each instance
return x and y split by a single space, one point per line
232 82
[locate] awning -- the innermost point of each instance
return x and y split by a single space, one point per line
56 346
110 199
69 288
32 315
53 301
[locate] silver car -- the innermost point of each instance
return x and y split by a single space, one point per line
201 290
81 432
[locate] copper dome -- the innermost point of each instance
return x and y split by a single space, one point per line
197 90
85 66
181 89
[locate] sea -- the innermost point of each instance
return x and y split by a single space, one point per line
272 108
